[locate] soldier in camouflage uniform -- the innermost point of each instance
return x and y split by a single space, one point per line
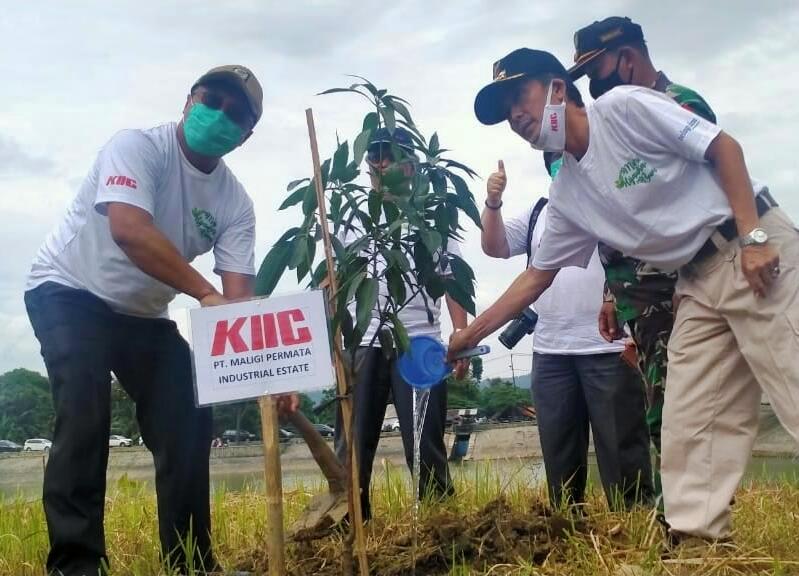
612 53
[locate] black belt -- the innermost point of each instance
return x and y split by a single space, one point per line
729 231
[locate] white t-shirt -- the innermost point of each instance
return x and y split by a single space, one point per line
643 186
196 211
568 309
414 315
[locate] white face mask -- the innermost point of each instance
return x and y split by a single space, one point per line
552 135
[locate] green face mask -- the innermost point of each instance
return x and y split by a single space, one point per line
554 168
210 132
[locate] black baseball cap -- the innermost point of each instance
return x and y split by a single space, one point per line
603 35
508 72
401 137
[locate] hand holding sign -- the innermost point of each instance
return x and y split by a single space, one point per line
265 346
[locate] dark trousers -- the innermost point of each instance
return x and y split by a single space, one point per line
82 342
375 378
603 392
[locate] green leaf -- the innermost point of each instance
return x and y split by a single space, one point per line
288 235
337 90
299 250
375 203
435 287
338 249
461 187
371 121
396 285
335 208
347 329
460 267
350 173
366 298
353 285
402 109
439 183
421 185
433 148
464 281
472 212
400 333
441 217
304 265
366 84
466 198
311 250
295 198
309 203
389 118
386 341
319 274
398 259
431 239
325 169
422 260
340 160
294 183
391 212
452 164
460 295
271 269
361 145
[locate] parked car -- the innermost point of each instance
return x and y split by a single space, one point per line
9 446
391 425
37 445
325 431
116 440
285 435
237 436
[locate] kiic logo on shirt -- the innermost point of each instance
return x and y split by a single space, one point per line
206 224
121 181
636 171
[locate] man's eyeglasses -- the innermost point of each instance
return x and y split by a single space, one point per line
236 110
385 151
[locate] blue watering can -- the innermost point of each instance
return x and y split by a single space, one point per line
424 364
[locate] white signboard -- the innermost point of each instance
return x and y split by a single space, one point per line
265 346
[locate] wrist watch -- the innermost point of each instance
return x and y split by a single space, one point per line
756 237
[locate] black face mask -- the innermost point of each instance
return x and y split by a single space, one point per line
598 86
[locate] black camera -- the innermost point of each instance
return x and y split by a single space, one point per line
518 328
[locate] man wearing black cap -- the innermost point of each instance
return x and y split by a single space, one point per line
376 375
613 52
661 184
97 298
580 381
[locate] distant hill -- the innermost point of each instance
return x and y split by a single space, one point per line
522 380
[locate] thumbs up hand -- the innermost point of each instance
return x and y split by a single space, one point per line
496 186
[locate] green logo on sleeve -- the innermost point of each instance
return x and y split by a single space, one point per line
636 171
206 224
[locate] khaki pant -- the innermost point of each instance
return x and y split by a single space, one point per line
727 345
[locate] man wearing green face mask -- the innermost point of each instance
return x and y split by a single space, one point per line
97 298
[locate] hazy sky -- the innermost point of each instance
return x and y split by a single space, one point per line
74 73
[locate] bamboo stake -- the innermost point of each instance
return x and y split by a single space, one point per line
354 492
274 485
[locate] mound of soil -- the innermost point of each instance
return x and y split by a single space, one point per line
496 534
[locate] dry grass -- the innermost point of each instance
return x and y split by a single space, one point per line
497 525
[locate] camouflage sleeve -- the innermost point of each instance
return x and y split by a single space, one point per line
691 100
